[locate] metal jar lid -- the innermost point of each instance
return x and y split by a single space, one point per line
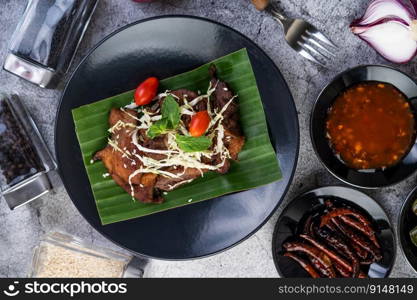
25 69
27 191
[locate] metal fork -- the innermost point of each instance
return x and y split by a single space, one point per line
302 36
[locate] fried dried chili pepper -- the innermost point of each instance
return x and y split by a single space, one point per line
329 262
334 256
306 266
331 227
357 239
367 261
361 253
363 224
362 227
309 250
339 242
307 225
325 272
334 213
339 245
342 271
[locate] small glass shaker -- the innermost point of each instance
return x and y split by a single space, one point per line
47 38
24 157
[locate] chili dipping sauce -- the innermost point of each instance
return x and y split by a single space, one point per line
371 125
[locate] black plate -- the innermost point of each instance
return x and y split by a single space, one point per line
407 221
365 179
166 46
312 200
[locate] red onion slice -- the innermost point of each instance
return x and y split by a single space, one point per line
382 9
392 40
388 26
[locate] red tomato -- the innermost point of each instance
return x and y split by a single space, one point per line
146 91
199 123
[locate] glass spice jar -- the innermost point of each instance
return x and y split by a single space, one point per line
24 157
47 38
62 255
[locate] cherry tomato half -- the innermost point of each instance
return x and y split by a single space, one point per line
146 91
199 123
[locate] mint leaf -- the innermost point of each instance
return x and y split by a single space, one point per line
158 128
170 118
193 144
171 111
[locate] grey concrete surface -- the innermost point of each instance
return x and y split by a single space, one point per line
21 229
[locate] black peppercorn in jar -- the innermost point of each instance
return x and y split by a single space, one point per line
24 158
18 160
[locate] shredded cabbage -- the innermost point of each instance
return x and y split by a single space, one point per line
174 157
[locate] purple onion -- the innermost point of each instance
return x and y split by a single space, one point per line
390 27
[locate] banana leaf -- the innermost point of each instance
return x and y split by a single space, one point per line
257 163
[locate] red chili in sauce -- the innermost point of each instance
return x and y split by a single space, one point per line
371 125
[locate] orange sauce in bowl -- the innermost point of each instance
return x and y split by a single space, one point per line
370 126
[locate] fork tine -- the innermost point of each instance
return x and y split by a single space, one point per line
307 55
313 52
318 45
320 36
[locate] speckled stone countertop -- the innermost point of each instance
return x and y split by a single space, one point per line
20 230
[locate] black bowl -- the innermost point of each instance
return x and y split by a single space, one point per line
406 222
366 179
297 210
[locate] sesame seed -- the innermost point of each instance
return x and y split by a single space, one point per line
76 262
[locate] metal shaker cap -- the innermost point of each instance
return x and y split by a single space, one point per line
28 191
25 69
